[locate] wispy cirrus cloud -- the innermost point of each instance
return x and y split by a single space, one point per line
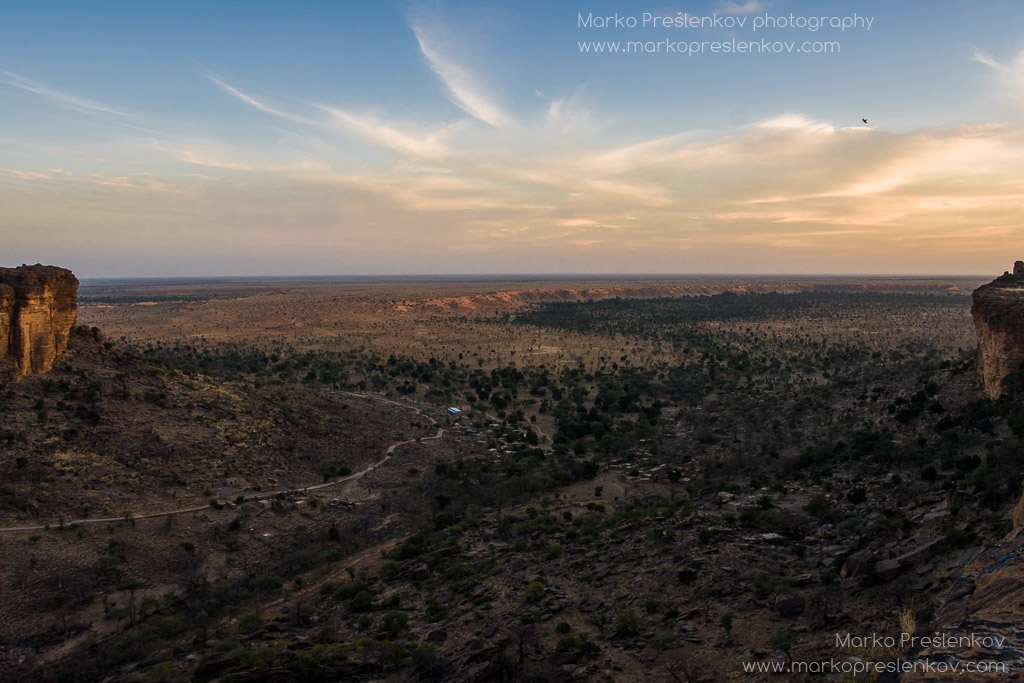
211 154
1011 76
784 190
60 97
431 145
463 86
373 129
568 113
748 7
253 102
987 60
782 170
785 185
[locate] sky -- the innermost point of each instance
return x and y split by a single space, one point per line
146 139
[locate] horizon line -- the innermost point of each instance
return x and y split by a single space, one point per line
520 276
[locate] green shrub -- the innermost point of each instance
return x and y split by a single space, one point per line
327 635
361 601
388 569
395 621
249 623
435 610
581 645
269 582
627 625
726 621
168 627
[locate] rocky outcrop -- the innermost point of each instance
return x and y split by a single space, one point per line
38 308
998 312
978 619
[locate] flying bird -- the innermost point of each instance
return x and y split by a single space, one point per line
864 120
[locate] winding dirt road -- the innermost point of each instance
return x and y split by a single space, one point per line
260 496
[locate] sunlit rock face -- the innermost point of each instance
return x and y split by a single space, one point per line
998 312
38 308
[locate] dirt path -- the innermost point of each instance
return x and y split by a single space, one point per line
372 555
260 496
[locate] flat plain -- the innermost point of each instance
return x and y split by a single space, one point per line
443 317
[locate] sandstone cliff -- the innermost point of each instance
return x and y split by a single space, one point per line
998 312
38 307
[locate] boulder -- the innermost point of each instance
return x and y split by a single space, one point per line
888 569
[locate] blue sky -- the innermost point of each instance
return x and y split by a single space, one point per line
479 137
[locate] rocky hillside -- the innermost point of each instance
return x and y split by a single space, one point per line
38 307
120 472
981 618
641 573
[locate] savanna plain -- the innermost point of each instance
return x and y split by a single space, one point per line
517 479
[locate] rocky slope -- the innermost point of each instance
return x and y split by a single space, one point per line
38 308
105 434
980 620
998 312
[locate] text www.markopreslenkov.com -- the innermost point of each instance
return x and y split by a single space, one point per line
860 667
687 22
763 47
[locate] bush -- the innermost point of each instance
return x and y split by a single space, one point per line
819 506
348 590
435 610
726 621
168 627
327 635
250 623
956 539
444 520
627 625
782 640
581 645
535 591
426 660
269 582
361 601
395 621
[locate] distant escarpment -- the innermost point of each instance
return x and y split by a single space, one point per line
998 312
38 308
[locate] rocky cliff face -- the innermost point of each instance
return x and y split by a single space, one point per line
998 312
38 307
